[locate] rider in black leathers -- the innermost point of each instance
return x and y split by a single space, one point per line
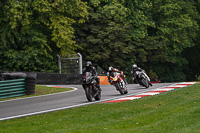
135 69
90 68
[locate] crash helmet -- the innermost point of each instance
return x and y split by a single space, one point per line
110 69
134 66
88 64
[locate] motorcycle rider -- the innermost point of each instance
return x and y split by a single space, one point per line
110 72
135 69
90 68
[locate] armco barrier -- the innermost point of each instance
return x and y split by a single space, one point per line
12 88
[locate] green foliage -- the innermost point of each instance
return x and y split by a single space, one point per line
140 18
172 28
192 70
158 32
170 72
176 22
152 33
33 32
104 38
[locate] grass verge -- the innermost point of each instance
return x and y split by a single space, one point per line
174 111
41 90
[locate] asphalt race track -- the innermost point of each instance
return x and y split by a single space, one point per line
48 103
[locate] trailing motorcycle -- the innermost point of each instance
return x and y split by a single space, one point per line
91 87
141 78
119 83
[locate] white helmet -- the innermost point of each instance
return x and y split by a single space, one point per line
134 65
110 69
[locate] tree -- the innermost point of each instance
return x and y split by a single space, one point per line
154 32
104 38
174 28
33 32
192 54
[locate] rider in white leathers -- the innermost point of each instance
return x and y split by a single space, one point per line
135 69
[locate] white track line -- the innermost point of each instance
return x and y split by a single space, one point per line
45 111
74 89
56 109
177 86
173 87
166 89
150 93
187 83
129 98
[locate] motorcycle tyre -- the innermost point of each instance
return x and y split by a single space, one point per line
126 91
145 83
98 96
120 89
88 94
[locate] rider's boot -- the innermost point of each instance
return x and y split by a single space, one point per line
150 83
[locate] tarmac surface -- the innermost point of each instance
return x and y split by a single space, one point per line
47 103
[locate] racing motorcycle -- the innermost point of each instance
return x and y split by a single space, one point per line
141 78
119 83
90 86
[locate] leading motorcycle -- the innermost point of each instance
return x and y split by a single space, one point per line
91 87
119 83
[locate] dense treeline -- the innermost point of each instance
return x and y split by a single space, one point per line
33 32
161 36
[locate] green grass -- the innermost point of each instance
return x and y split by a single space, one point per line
170 112
41 90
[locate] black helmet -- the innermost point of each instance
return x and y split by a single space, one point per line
88 64
110 69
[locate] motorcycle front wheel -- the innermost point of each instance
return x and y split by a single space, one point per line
126 91
88 93
98 96
120 88
145 83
